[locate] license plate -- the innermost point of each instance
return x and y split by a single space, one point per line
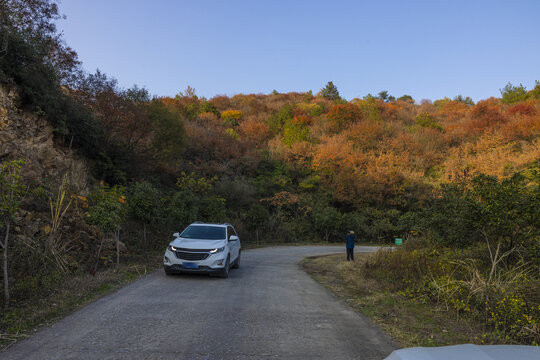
190 265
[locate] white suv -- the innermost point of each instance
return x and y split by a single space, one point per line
202 247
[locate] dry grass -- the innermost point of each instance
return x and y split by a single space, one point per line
409 323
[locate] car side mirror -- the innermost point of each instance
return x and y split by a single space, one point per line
233 238
176 235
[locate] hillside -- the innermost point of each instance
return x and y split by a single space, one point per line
93 175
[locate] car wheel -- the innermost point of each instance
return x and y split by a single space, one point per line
225 272
168 272
237 261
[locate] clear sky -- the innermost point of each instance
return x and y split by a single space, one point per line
428 49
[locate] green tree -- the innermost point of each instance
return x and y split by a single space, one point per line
108 211
212 209
256 218
169 134
188 93
406 98
195 199
330 91
379 224
441 102
369 97
209 107
144 204
535 93
464 99
195 184
277 120
136 94
327 221
12 191
32 53
180 208
383 95
508 210
428 121
513 94
295 133
451 218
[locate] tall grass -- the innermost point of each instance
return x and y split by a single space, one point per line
57 245
474 282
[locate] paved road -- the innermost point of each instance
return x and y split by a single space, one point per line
267 309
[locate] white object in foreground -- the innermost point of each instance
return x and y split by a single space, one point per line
468 352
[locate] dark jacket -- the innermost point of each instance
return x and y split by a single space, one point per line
350 241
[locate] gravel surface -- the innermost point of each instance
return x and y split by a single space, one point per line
267 309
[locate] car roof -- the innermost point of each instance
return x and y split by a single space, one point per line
198 223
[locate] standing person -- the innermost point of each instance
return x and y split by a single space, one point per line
350 245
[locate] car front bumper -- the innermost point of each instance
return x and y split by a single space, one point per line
178 269
213 263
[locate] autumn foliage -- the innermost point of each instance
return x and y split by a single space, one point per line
289 166
341 115
232 117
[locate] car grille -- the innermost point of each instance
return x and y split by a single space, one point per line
185 255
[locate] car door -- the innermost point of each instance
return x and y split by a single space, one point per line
233 245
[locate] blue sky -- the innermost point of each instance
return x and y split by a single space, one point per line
428 49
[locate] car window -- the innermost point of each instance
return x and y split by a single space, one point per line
230 231
204 233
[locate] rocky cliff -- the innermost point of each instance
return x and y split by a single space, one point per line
30 137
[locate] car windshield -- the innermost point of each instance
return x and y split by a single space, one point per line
204 233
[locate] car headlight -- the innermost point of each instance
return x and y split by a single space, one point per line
218 250
172 248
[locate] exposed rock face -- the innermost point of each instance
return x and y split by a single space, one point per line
30 137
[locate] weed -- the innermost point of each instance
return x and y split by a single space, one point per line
411 292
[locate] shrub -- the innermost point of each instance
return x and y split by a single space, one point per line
168 132
428 121
277 120
526 108
254 130
232 117
108 212
12 192
144 204
221 102
302 120
256 218
208 107
459 280
341 115
311 109
233 134
295 133
486 113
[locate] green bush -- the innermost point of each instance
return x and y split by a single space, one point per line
428 121
277 120
507 300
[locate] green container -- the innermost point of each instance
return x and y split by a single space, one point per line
398 241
